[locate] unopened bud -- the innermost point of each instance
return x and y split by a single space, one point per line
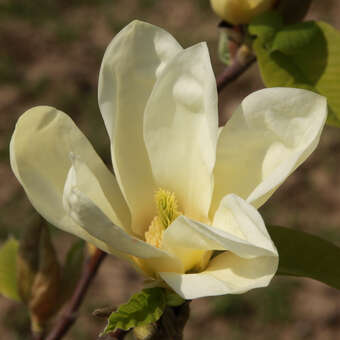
244 54
91 249
146 332
38 275
240 11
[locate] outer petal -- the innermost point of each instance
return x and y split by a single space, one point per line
237 217
40 152
180 130
226 274
250 261
131 65
268 137
90 217
238 227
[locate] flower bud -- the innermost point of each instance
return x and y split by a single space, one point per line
38 275
240 11
146 332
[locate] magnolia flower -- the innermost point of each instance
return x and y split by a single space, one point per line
182 206
240 11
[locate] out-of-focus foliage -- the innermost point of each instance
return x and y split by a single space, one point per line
8 264
306 255
38 275
72 269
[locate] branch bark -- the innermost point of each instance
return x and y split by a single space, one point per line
37 336
69 316
233 71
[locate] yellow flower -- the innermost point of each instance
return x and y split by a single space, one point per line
183 189
240 11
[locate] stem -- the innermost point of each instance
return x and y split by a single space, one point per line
233 71
69 315
119 334
38 336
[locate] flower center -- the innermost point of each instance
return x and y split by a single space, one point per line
167 209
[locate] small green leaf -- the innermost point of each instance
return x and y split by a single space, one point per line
315 66
306 255
173 299
143 308
292 38
8 269
265 25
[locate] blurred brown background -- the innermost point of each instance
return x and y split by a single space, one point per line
50 53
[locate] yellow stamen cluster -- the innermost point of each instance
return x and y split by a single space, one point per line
154 234
167 206
167 209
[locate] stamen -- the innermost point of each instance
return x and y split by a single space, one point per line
167 206
154 234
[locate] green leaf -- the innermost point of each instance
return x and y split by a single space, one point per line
295 37
8 269
173 299
306 255
315 66
143 308
265 25
72 268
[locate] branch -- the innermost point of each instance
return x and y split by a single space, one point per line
69 316
119 334
233 71
37 336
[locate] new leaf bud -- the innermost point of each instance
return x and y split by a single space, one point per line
39 275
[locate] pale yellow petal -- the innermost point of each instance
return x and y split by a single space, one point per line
237 227
180 130
40 152
87 183
271 133
131 65
190 234
227 273
92 219
237 217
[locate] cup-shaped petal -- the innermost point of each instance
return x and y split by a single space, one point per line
271 133
249 259
81 206
131 65
40 149
227 273
180 130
